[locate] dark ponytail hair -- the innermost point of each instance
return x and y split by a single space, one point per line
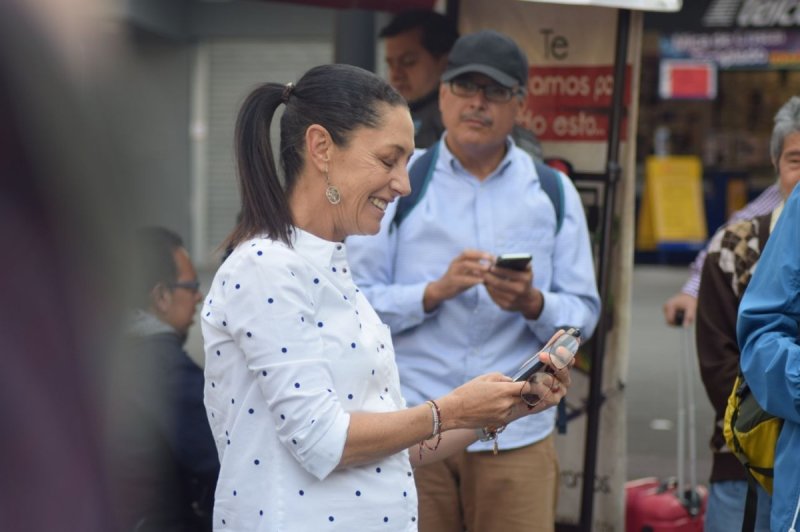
340 98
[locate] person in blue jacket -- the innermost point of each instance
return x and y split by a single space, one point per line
768 331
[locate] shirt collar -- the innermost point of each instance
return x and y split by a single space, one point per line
319 250
454 164
145 323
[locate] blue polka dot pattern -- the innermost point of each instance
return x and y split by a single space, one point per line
284 350
358 493
349 395
256 461
320 324
302 493
260 253
297 385
238 286
249 334
250 411
270 301
316 281
330 518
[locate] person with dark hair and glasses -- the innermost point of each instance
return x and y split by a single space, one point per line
454 314
302 390
417 43
163 459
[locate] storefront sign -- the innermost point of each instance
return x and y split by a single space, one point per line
687 79
764 49
710 15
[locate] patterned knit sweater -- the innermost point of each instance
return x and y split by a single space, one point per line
733 253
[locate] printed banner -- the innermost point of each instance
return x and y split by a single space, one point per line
571 102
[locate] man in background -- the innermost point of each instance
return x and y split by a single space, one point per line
768 331
163 458
417 43
454 314
733 255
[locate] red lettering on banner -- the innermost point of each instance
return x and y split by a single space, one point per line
571 103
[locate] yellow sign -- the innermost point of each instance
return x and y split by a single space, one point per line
672 208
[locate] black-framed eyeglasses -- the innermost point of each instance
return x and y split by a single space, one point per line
192 286
493 92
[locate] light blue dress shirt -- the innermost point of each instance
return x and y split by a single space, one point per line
469 335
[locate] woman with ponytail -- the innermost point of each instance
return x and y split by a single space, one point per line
302 390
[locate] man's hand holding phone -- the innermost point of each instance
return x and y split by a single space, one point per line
465 271
510 285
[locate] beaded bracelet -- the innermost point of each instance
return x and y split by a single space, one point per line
437 429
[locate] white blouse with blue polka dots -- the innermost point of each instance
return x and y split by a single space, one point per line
291 348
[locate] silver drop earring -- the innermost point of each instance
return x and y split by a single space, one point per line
332 193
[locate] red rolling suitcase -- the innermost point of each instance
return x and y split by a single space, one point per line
652 505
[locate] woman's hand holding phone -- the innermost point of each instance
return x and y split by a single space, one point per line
546 375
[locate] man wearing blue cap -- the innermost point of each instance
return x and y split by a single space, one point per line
454 314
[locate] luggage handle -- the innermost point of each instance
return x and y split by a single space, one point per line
688 497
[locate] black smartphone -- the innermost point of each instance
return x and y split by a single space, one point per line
570 339
514 261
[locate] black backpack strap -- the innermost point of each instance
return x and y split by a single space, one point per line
419 175
750 505
420 172
554 188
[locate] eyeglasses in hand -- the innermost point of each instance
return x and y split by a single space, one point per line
560 359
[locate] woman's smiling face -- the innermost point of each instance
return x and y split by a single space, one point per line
371 172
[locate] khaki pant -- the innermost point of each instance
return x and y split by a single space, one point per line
514 491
